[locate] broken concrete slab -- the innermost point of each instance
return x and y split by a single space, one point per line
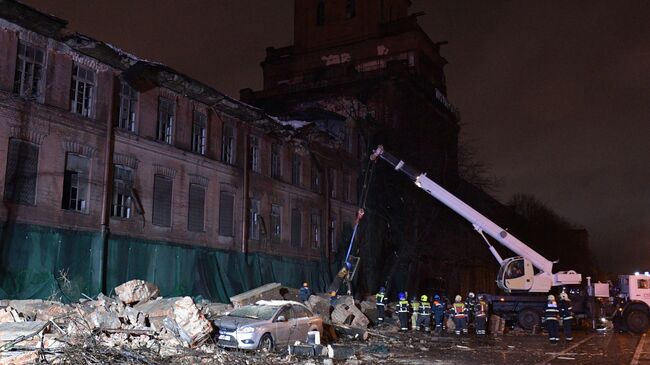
104 319
19 357
11 331
340 352
346 313
320 306
191 324
135 291
157 310
9 314
213 310
269 291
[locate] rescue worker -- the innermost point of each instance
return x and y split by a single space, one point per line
470 303
438 308
333 298
403 312
551 318
381 304
424 314
480 315
305 292
415 308
566 313
459 313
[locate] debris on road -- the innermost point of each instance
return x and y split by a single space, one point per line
137 291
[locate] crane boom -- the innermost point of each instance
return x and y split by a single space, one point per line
507 279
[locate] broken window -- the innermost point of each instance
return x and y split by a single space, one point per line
228 145
75 183
276 223
350 9
254 220
196 208
166 111
128 106
254 158
332 183
276 161
21 172
199 132
29 70
296 169
122 187
82 90
162 201
315 180
333 242
320 12
296 228
315 230
226 207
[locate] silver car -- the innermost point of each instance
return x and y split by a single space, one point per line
266 324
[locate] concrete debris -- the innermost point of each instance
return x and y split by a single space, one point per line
192 326
497 325
10 315
135 291
213 310
320 306
340 352
346 313
271 291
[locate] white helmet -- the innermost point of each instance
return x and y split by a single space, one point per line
471 295
458 298
551 297
564 296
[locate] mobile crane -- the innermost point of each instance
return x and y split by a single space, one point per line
528 272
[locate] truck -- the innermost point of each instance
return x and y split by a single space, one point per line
626 303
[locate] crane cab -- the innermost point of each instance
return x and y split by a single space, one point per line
516 273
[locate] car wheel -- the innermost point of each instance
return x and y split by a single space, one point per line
266 342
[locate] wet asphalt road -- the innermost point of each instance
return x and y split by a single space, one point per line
518 348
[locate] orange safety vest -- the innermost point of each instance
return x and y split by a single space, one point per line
459 310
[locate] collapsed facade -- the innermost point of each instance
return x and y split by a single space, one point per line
113 167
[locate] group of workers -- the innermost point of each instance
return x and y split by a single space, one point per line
552 315
473 311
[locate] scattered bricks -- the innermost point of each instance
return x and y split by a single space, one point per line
19 357
9 315
269 291
28 308
320 305
192 326
157 310
497 324
51 311
137 291
103 319
346 313
134 317
339 352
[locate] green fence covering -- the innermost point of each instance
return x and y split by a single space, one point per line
43 262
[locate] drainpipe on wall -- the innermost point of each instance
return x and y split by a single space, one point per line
246 188
328 223
107 194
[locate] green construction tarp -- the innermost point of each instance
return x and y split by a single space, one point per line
43 262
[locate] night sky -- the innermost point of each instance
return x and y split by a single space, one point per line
554 95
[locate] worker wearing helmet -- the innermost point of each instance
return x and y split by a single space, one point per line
415 307
381 305
403 312
470 305
566 313
459 314
438 308
480 315
424 314
305 292
552 318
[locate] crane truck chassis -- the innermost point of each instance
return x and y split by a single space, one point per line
626 303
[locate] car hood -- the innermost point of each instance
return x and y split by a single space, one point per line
235 322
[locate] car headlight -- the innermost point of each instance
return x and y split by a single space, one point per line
246 330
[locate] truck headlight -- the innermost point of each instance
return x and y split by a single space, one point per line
246 330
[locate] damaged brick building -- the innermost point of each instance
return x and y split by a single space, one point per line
113 167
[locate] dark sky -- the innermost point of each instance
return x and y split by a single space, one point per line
554 95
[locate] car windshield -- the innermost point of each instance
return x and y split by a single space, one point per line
263 312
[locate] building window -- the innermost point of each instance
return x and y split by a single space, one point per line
83 90
196 208
162 201
29 70
199 132
350 8
254 220
276 223
165 120
333 241
226 209
254 158
320 12
22 168
122 187
296 228
128 107
75 183
346 188
276 161
315 180
228 145
296 169
332 183
315 230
